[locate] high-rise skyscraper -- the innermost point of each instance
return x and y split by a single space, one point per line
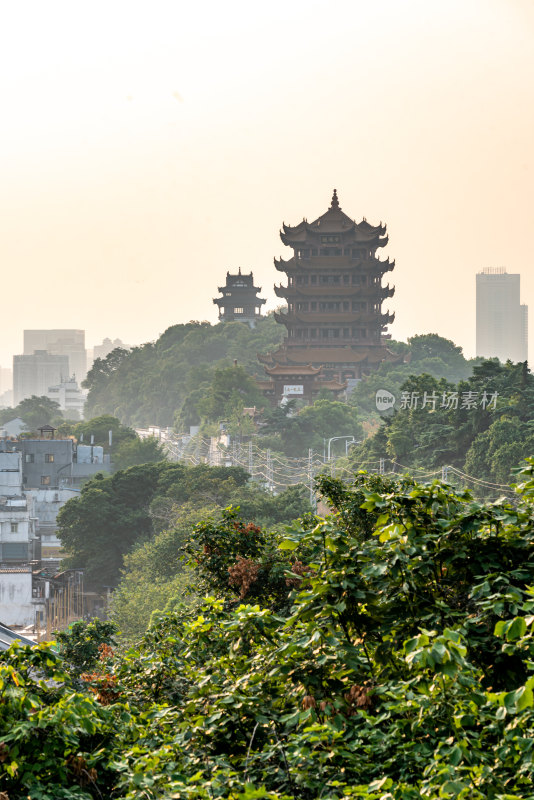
66 342
32 375
502 322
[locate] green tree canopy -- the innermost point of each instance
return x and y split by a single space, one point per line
231 389
114 513
99 428
485 441
150 384
35 411
132 452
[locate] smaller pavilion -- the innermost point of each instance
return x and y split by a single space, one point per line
239 301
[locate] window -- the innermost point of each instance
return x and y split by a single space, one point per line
17 551
14 527
29 458
49 458
314 306
329 238
329 306
314 278
45 480
238 310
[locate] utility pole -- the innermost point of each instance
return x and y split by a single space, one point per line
444 474
250 462
310 478
381 468
269 472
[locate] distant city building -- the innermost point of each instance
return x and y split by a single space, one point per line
70 397
19 543
13 428
103 350
502 321
37 478
6 379
47 503
58 463
239 301
33 374
68 342
6 399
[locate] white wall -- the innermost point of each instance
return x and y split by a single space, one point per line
16 606
10 474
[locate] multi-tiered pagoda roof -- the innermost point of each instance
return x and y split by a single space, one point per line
239 301
334 297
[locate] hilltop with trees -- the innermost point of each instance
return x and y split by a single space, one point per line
153 383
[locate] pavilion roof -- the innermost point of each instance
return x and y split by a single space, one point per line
293 356
340 318
333 221
343 290
292 369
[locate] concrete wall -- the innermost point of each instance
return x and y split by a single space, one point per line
39 471
16 607
17 530
47 503
10 474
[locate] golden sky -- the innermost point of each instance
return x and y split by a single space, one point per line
148 147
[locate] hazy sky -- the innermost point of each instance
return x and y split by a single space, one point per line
148 147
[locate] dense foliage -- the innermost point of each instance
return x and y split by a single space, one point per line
293 432
152 383
486 443
114 513
35 412
427 353
385 652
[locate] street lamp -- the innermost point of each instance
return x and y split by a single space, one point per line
335 438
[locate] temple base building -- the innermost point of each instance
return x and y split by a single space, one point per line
239 301
336 329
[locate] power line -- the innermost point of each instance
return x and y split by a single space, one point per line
277 472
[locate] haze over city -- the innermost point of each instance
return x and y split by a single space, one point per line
149 148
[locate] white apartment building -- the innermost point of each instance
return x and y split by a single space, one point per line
70 398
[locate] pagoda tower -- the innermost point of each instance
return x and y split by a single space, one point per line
239 301
336 329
